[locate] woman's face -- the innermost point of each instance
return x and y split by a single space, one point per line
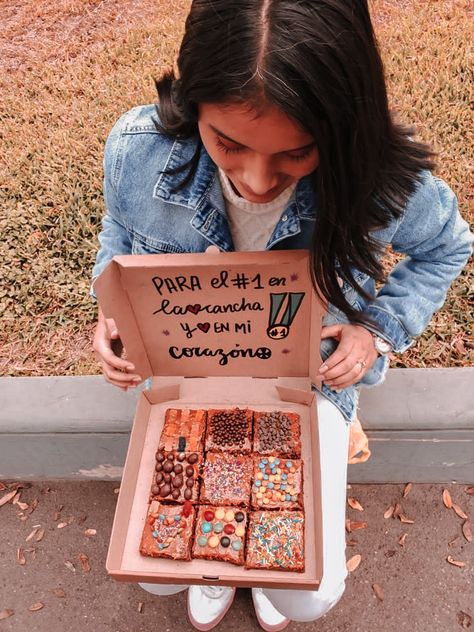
261 153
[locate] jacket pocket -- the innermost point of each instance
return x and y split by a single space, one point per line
142 245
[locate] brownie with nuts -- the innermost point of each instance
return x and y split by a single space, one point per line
168 531
275 541
176 476
226 479
277 432
229 430
220 534
277 483
183 430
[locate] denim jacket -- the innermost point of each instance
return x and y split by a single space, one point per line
144 215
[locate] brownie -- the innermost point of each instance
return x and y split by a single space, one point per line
183 430
275 541
277 432
176 476
229 430
226 479
220 534
168 531
277 483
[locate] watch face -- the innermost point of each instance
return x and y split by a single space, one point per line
382 345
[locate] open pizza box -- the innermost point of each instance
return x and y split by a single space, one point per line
214 330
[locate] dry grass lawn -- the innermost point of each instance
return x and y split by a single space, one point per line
69 68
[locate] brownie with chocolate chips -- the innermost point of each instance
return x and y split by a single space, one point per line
168 531
220 534
229 430
176 476
226 479
183 430
277 432
277 483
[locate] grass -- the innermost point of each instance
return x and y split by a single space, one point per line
70 68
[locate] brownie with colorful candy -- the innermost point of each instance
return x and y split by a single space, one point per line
220 534
229 430
277 432
168 531
277 483
226 479
183 430
176 476
275 541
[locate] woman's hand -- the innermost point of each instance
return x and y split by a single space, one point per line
116 370
353 357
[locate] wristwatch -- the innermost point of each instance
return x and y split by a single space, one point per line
382 347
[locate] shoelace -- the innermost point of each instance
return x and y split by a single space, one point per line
213 592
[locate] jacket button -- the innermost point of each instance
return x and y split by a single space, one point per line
284 218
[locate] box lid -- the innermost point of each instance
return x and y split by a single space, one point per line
215 314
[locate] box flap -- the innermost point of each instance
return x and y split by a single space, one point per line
215 314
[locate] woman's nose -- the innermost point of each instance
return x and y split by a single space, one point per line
259 175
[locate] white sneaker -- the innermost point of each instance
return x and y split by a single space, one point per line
268 616
207 605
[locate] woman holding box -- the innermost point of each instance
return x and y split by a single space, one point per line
276 134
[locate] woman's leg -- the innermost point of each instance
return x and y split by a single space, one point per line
307 605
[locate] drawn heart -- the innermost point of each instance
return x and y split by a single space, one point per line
194 309
204 327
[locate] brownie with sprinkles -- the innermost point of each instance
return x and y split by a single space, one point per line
275 541
183 430
168 531
277 483
277 432
229 430
220 534
176 476
226 479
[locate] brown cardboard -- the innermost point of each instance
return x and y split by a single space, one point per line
286 325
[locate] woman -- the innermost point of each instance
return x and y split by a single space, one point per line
276 134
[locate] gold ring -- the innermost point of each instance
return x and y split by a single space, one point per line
362 363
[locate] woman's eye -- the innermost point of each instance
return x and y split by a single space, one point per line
301 156
226 149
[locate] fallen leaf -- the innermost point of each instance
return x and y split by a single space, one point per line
82 519
32 551
116 490
389 512
24 518
348 525
16 498
353 562
7 497
40 535
355 524
355 504
61 525
447 499
396 510
454 541
457 563
405 520
20 557
32 535
33 505
459 512
70 566
402 540
59 592
4 614
378 591
140 606
464 619
351 542
90 532
390 553
86 567
2 486
470 491
467 531
36 606
407 490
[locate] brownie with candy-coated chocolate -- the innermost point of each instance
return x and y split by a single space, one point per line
226 479
183 430
220 534
168 531
275 541
277 483
277 432
176 476
229 430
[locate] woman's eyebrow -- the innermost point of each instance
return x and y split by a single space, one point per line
286 151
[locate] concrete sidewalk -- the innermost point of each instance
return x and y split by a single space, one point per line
421 590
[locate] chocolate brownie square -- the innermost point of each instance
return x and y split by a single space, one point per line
277 483
220 534
176 476
275 541
168 531
277 432
184 430
229 430
226 479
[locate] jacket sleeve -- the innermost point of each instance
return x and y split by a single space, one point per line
437 243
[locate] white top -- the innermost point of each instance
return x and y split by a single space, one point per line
252 224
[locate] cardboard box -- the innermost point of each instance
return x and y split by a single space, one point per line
215 330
